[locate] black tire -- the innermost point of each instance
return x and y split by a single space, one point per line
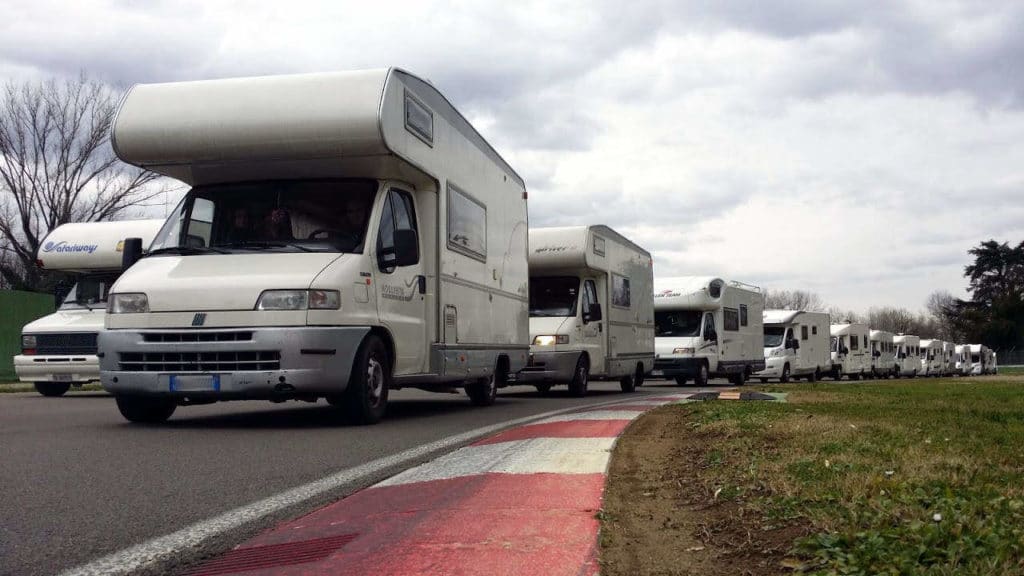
146 409
738 379
680 380
785 374
365 399
580 378
763 380
701 378
543 389
854 376
627 384
639 376
837 373
485 391
52 389
815 376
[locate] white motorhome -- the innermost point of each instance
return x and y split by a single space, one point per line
883 354
591 309
59 351
850 351
908 354
979 356
707 327
948 358
796 344
994 368
345 234
932 363
963 359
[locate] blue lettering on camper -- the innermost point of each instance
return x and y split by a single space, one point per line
63 246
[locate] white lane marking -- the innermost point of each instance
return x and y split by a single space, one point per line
594 415
529 456
159 550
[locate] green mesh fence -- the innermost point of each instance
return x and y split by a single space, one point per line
16 310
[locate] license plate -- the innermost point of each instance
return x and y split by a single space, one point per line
194 383
62 377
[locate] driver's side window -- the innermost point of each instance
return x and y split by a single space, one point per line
589 295
398 214
709 327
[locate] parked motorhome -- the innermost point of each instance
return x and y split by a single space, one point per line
948 358
345 234
908 354
591 309
707 327
796 345
883 354
59 351
851 355
990 363
963 359
932 363
995 363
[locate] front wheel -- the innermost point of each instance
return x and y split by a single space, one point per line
146 409
701 379
52 389
815 376
785 374
580 378
365 400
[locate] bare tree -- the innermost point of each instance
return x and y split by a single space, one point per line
941 305
793 300
839 316
56 166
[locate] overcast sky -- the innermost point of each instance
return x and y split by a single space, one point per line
850 148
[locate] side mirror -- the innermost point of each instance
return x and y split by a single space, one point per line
796 344
593 314
877 354
711 336
131 252
407 248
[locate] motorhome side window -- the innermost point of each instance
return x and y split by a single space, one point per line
803 332
467 224
743 314
620 291
280 216
398 213
854 343
730 319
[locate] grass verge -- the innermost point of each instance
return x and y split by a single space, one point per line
897 477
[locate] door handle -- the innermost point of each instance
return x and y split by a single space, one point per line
600 327
421 282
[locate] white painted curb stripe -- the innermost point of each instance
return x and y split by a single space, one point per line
529 456
164 548
593 415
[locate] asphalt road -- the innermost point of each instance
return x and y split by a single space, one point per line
79 482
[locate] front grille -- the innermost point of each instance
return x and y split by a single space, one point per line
197 336
178 362
69 343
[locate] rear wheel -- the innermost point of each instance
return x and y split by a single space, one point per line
365 400
627 384
638 376
815 376
146 409
738 379
785 374
485 391
763 380
580 378
680 380
52 388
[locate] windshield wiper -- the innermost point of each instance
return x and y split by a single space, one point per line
260 244
186 250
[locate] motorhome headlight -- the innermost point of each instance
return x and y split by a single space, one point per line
28 344
683 350
551 340
299 300
128 303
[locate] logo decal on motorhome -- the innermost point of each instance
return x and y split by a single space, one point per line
398 293
667 294
63 246
199 319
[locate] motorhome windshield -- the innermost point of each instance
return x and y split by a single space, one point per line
89 292
554 296
280 215
677 323
773 336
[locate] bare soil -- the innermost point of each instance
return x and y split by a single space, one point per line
660 518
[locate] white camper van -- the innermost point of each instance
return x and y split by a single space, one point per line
707 327
932 363
883 354
591 309
908 354
850 351
345 234
994 368
796 344
963 359
948 358
59 351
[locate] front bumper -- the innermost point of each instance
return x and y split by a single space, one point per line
52 368
678 366
293 361
772 368
549 367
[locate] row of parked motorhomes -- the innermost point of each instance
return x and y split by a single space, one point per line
348 234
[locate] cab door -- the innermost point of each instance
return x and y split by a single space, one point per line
710 347
593 333
401 289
